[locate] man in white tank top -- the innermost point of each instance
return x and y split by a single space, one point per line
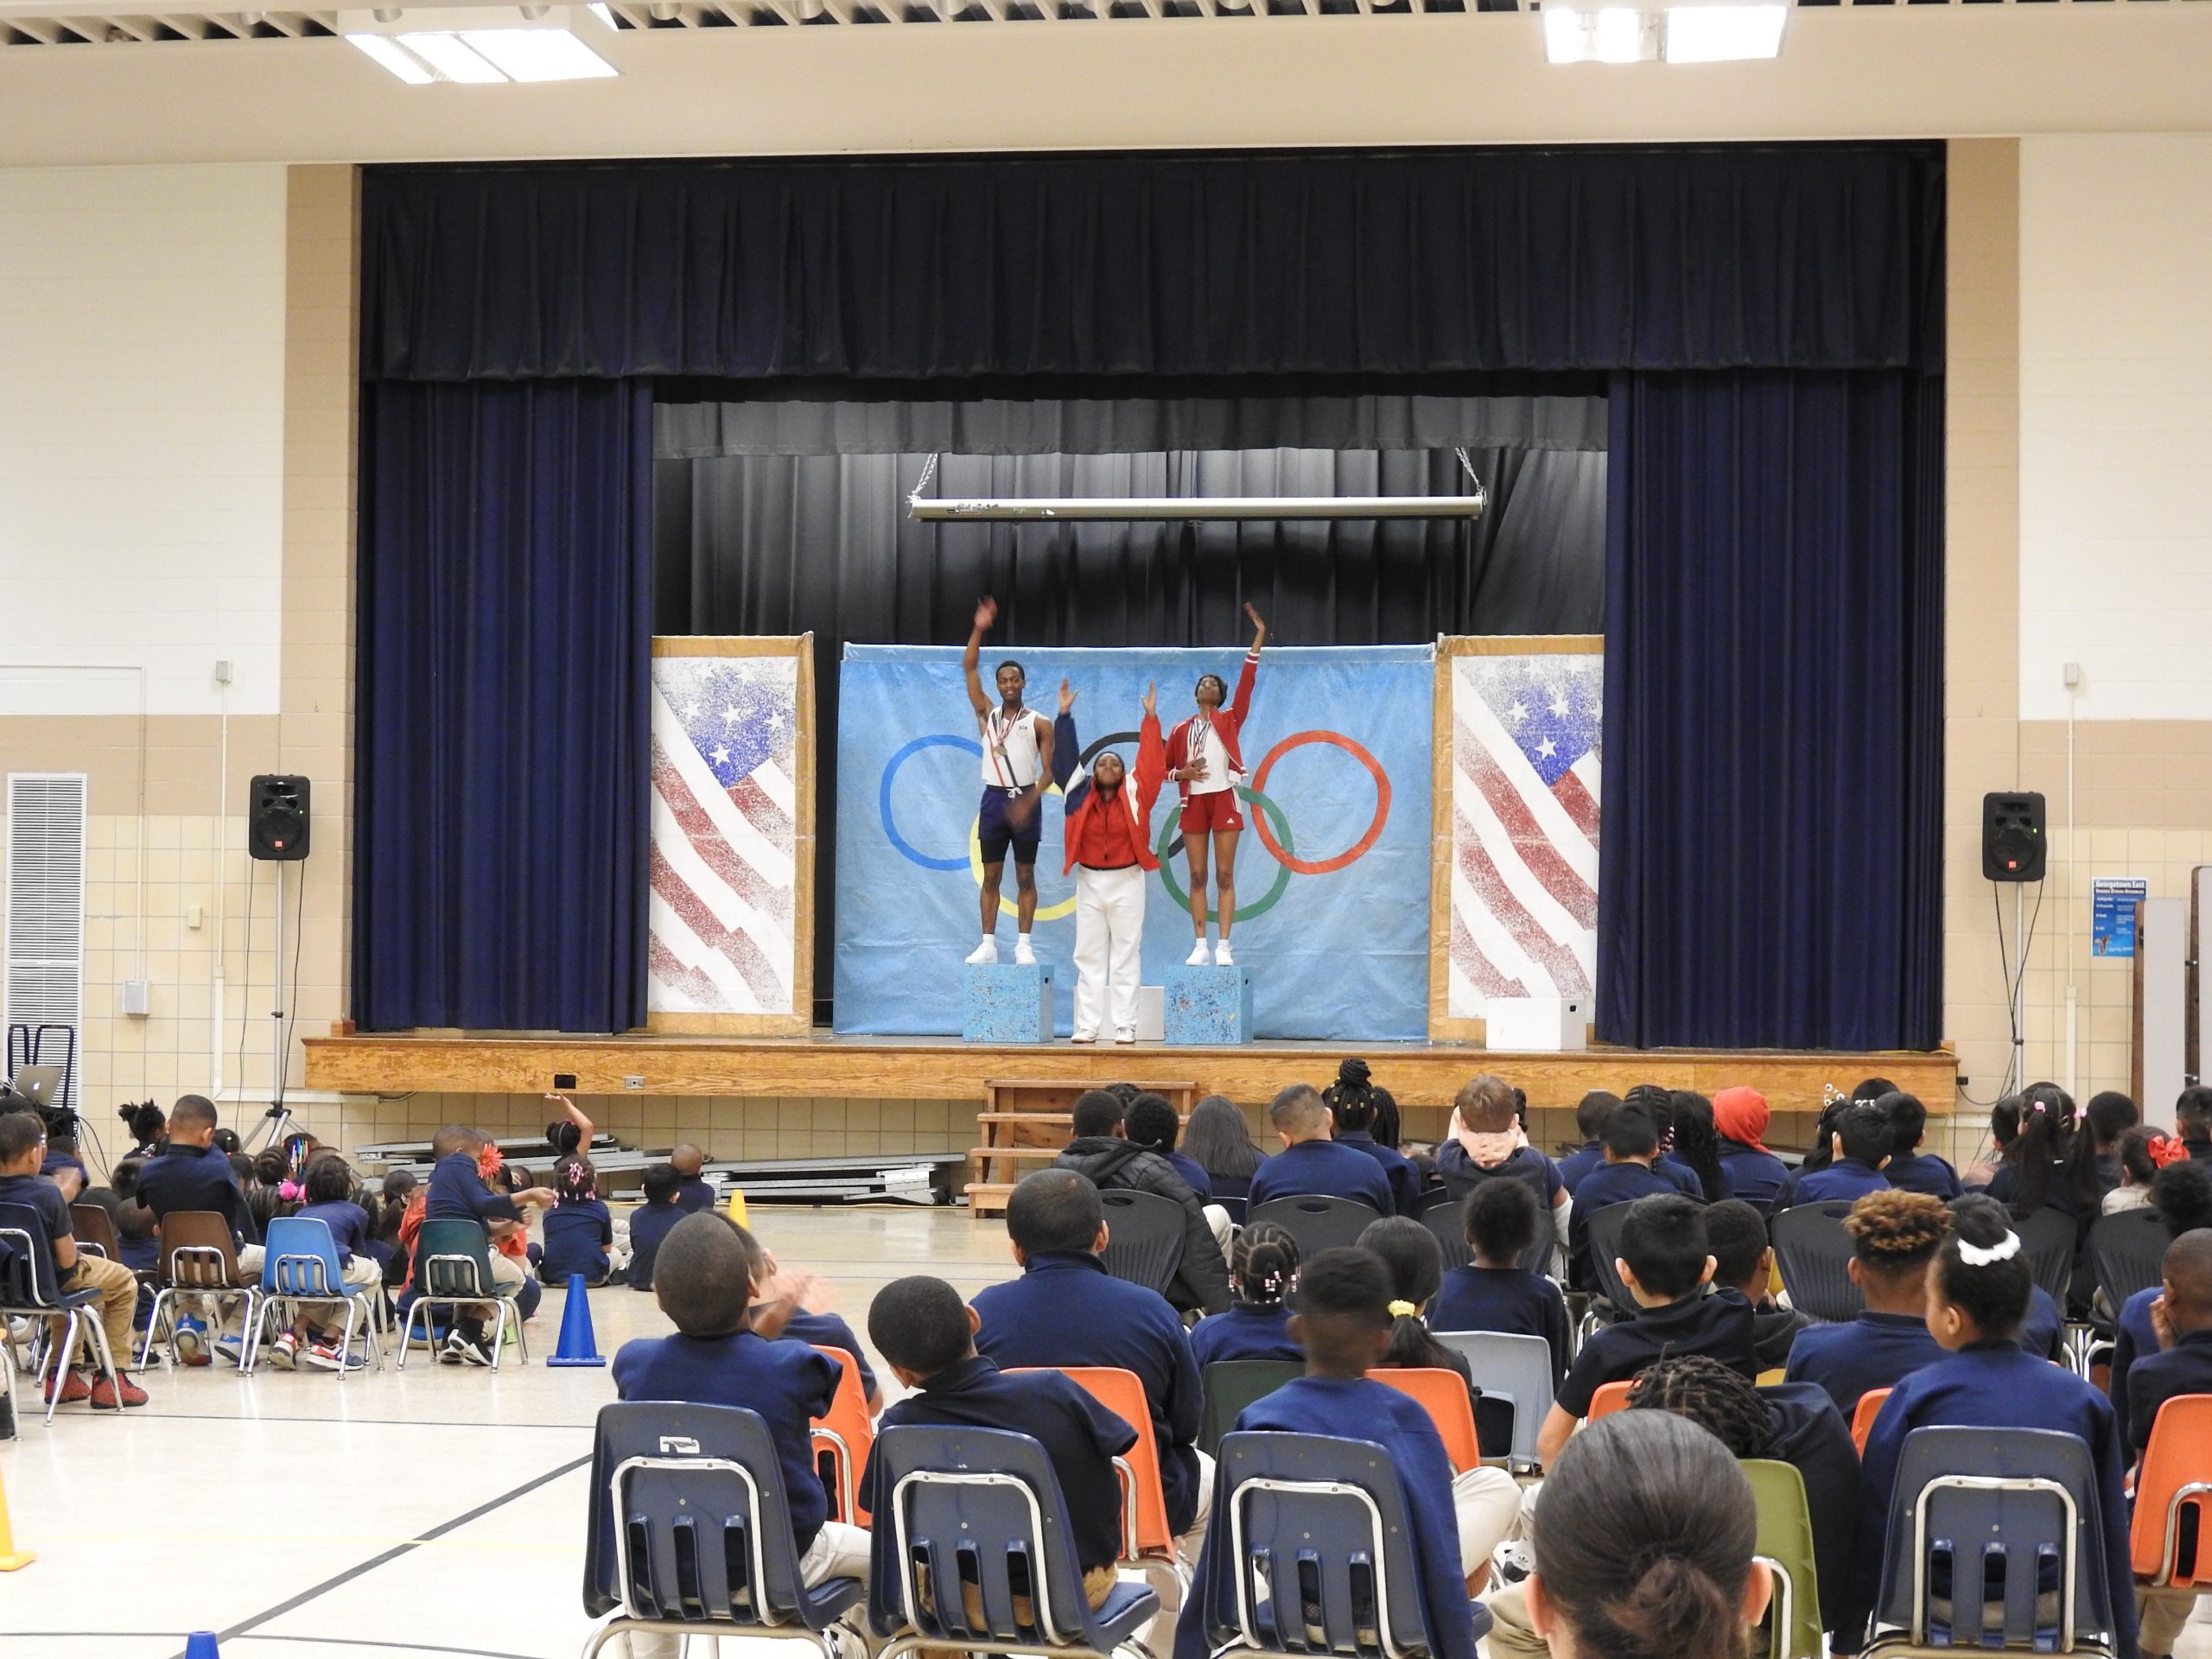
1017 747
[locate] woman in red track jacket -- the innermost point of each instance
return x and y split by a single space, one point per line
1205 759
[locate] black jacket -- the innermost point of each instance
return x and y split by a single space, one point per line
1112 1164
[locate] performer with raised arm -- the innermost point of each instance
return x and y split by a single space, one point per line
1205 760
1017 756
1107 823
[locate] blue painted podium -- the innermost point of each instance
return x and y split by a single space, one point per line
1210 1007
1007 1003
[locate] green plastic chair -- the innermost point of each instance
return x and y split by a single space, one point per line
1792 1626
1232 1384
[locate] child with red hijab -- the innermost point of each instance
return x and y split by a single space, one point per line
1755 1175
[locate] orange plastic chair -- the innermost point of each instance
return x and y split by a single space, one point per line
845 1435
1609 1399
1863 1416
1443 1396
1144 1497
2175 1476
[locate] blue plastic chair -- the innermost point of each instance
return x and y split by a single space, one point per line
2012 1511
30 1287
299 1269
970 1549
452 1269
691 1531
1324 1519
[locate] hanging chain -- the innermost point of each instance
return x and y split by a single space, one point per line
1470 468
929 472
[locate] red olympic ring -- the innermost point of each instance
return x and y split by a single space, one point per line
1323 866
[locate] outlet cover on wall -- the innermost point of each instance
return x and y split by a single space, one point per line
137 998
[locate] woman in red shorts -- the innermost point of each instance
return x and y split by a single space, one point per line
1207 765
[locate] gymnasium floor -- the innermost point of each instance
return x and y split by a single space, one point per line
440 1511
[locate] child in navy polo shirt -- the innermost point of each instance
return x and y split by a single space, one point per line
653 1220
709 1270
693 1192
458 1192
1066 1310
794 1306
1353 1102
2181 1317
1666 1262
1486 1143
329 1193
1978 1289
1262 1272
23 1148
1631 1138
1910 1169
193 1175
579 1228
1311 1163
1743 1262
1590 1117
1861 1143
1343 1323
1496 1293
927 1337
1894 1237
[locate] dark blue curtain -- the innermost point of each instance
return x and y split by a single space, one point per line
1770 860
1376 263
501 739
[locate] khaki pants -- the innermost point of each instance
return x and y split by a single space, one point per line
1487 1503
2163 1612
1511 1636
118 1289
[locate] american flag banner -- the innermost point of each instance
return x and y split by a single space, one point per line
1523 909
731 847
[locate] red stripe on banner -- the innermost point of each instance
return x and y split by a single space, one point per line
724 860
771 820
1530 844
1570 792
1566 975
674 973
744 955
1482 973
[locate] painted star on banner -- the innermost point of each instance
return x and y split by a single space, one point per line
1546 749
721 755
1518 712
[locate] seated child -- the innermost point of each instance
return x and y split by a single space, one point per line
63 1167
1893 1238
1484 1141
1666 1262
2182 1196
1630 1172
2180 1316
1755 1175
579 1229
1310 1163
134 1222
1860 1143
926 1335
1910 1169
704 1280
1344 1326
1590 1117
694 1193
22 1149
1735 1233
329 1195
1978 1289
1263 1273
653 1220
1495 1293
458 1192
795 1307
398 1190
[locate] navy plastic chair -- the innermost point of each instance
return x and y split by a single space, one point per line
691 1531
1602 1233
2052 1239
299 1269
1813 1252
1318 1222
1144 1238
1445 1216
2126 1253
970 1549
30 1287
452 1269
1317 1524
1995 1542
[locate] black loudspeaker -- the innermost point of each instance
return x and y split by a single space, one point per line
2013 845
276 817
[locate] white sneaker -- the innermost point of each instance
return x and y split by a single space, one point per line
1084 1037
1198 957
984 954
1125 1033
1221 957
1023 955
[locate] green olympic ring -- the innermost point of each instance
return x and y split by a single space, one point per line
1244 912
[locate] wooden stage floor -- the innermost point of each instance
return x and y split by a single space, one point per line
931 1068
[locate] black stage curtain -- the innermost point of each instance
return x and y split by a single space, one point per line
1380 262
500 742
1771 859
783 543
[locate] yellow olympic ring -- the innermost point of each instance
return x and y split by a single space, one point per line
1007 905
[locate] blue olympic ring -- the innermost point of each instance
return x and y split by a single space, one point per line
883 797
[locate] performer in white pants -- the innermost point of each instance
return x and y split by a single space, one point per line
1108 831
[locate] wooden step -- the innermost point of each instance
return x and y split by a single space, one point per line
981 1153
1063 1120
988 1197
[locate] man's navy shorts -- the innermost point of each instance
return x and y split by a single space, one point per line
997 831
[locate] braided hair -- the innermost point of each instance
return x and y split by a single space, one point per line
1724 1402
1351 1098
1895 1233
1263 1265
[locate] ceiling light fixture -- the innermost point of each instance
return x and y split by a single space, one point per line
1711 33
604 12
535 55
1727 33
395 57
452 58
466 45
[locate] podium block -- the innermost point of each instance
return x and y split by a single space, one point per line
1209 1006
1006 1003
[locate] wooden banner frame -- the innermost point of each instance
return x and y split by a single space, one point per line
1442 1027
800 1020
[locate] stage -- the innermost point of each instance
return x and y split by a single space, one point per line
1421 1075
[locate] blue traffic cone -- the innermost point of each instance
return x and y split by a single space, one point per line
201 1644
577 1345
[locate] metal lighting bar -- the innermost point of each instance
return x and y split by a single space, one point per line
1214 506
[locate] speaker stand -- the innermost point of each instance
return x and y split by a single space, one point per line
277 1119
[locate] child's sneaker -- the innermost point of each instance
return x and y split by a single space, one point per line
329 1356
76 1386
191 1343
230 1349
109 1396
459 1350
284 1352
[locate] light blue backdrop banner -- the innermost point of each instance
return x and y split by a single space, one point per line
1332 918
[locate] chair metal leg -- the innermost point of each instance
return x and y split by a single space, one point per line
407 1331
60 1350
498 1330
522 1340
164 1301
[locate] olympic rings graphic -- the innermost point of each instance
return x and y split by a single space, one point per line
1171 835
1045 912
938 740
1359 849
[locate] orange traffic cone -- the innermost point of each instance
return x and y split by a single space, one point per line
11 1558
